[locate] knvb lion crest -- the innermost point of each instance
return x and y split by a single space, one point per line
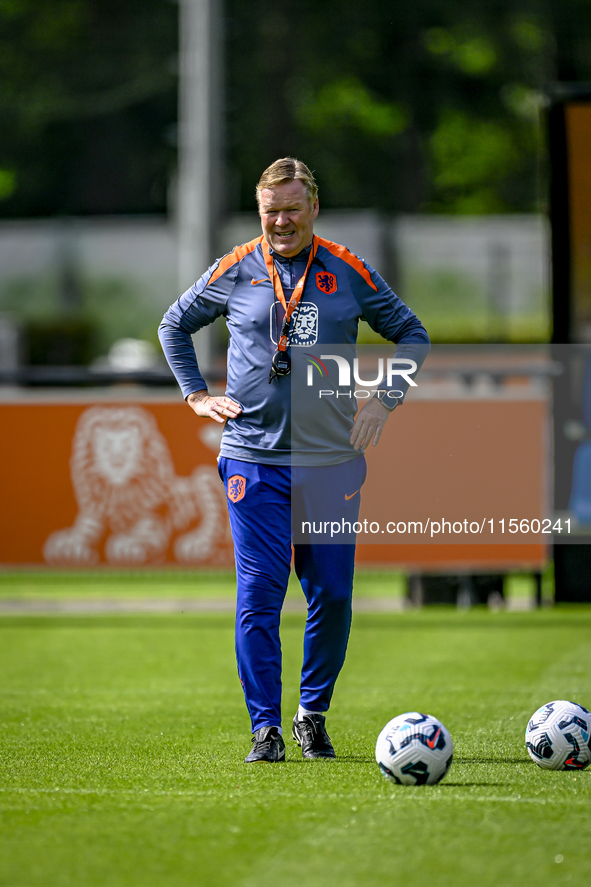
326 282
305 325
236 488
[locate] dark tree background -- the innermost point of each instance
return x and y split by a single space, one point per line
427 106
87 106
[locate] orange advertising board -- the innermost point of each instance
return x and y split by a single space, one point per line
578 128
123 484
448 465
107 482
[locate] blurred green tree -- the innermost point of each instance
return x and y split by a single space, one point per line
405 107
88 96
416 107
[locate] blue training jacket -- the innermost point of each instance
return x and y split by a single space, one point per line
340 290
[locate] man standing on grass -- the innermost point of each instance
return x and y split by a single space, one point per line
283 291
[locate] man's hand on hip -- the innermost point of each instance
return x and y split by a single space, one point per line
217 408
368 424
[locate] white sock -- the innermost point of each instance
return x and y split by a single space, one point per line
302 712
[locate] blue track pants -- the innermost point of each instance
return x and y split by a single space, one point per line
260 506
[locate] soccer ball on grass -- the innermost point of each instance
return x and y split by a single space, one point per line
414 749
557 736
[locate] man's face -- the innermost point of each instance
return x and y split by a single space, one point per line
287 217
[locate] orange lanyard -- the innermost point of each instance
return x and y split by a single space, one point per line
296 296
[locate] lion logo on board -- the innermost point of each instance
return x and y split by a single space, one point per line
326 282
236 488
133 508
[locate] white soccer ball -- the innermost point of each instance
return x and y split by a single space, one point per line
557 736
414 749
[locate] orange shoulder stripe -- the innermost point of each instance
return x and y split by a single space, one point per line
341 252
236 255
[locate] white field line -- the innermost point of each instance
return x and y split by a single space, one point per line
95 606
106 606
405 794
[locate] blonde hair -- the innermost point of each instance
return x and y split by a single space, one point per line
287 169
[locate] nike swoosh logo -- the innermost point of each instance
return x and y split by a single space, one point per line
433 741
352 494
262 280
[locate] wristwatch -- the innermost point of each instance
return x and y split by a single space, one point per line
390 403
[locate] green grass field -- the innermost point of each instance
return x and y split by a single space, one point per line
122 741
26 585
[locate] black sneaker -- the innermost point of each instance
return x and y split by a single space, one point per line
268 746
311 734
